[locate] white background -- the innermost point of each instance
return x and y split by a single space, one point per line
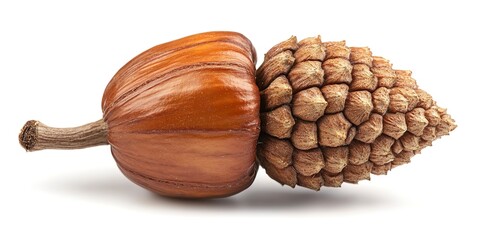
56 58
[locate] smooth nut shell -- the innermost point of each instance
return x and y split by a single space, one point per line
183 117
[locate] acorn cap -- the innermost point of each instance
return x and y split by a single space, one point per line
332 114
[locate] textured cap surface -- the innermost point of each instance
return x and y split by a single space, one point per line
333 114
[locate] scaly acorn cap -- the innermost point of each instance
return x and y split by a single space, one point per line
332 114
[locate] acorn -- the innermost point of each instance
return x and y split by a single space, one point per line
193 118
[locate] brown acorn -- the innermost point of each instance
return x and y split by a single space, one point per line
183 118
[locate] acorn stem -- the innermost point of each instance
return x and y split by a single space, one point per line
38 136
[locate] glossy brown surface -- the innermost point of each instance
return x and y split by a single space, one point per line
183 117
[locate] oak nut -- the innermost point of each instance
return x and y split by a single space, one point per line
194 118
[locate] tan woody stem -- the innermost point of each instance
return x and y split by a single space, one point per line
37 136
